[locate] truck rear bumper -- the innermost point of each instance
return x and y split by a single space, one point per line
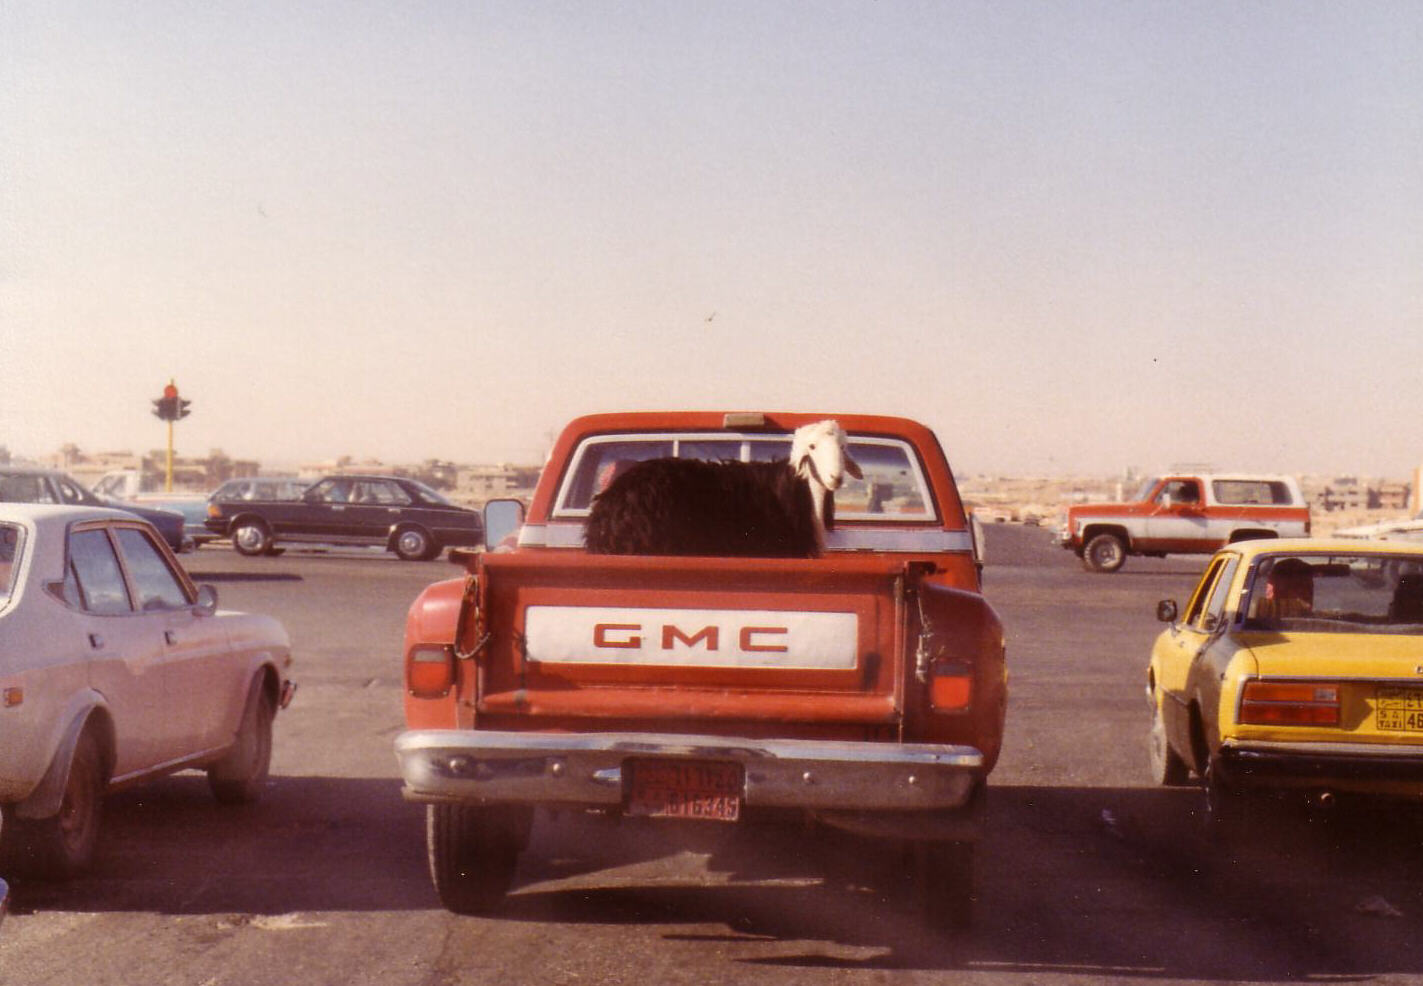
586 769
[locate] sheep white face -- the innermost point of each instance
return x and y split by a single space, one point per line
818 454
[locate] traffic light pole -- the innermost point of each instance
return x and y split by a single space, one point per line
170 407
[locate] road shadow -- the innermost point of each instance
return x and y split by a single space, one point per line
1101 882
309 844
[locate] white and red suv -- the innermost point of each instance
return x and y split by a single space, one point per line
1184 513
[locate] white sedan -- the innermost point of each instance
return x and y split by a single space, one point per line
1407 529
114 669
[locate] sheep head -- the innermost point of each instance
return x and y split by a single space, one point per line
819 456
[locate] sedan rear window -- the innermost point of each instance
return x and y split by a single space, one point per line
94 580
1337 593
11 541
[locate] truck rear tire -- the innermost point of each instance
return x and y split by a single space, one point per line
1104 553
473 851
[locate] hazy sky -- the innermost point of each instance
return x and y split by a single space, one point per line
1072 237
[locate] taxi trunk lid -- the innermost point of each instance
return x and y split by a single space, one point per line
1378 677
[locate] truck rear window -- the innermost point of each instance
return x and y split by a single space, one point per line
893 488
1251 491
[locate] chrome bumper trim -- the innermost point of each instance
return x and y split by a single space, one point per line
586 769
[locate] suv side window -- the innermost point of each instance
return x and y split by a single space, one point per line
1250 491
157 586
1179 491
97 580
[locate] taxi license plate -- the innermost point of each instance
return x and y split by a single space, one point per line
685 789
1399 709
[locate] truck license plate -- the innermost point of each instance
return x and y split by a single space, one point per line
1399 709
685 789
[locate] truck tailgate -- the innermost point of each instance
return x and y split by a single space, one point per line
573 641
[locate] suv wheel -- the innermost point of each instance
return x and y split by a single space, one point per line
1104 553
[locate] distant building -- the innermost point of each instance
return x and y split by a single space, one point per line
480 483
1353 493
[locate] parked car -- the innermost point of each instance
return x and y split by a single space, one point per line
115 668
192 506
261 488
21 484
401 515
1296 665
1406 529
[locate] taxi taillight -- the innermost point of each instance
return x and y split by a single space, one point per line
430 671
1290 703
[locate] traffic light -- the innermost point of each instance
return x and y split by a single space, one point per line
170 407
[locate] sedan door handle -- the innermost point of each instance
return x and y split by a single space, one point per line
96 641
170 636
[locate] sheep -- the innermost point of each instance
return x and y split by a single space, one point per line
778 509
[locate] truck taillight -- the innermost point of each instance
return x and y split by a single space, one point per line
430 671
951 686
1290 703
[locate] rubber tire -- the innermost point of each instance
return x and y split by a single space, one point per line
1104 553
1229 810
240 777
251 538
1167 767
62 846
473 851
414 544
944 875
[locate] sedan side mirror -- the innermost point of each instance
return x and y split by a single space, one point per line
206 603
1166 611
502 518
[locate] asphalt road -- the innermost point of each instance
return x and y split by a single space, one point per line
1088 873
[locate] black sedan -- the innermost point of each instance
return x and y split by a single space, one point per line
399 514
23 484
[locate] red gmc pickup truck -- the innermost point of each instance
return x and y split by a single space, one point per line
865 686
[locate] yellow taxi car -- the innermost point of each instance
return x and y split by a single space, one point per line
1296 664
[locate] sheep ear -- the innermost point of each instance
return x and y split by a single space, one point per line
852 467
799 458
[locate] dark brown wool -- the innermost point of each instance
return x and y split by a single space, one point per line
695 507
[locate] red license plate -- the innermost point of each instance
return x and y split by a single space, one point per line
685 789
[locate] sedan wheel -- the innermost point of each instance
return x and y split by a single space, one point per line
63 845
1167 768
413 544
240 776
251 537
